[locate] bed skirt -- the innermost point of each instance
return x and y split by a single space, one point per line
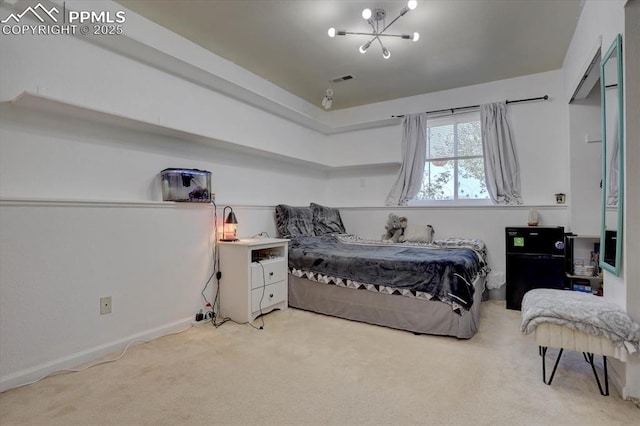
404 313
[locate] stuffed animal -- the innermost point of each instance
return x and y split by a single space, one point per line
395 229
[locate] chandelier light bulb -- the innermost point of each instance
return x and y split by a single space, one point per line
412 4
366 13
364 48
416 37
386 53
332 32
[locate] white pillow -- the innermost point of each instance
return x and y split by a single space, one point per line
419 233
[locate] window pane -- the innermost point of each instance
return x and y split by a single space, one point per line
447 176
469 139
440 142
437 183
471 182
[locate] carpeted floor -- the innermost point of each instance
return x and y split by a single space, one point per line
309 369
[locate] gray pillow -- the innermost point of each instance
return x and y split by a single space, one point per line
294 221
326 220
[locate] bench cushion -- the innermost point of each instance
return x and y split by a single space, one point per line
585 313
557 336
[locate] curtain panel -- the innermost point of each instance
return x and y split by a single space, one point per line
414 151
502 171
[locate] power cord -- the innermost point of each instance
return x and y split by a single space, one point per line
264 285
214 258
216 302
261 234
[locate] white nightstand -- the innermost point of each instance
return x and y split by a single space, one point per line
254 277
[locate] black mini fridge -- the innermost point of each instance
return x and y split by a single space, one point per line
535 259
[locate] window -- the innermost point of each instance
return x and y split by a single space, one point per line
454 166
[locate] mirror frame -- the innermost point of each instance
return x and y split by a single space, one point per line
616 47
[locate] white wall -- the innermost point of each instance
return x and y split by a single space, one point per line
539 128
78 72
153 260
540 131
585 129
604 20
600 21
59 257
49 156
73 253
58 260
631 233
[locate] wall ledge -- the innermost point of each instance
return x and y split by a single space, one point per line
60 202
461 207
63 107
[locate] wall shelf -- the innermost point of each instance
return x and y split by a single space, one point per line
585 277
38 102
49 202
581 247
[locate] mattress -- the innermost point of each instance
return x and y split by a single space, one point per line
429 271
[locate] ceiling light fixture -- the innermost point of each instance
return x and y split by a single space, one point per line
376 18
328 99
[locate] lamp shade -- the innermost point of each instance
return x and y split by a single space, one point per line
231 218
229 228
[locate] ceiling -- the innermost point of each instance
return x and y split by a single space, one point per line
462 42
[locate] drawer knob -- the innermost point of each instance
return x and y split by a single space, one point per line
271 295
270 274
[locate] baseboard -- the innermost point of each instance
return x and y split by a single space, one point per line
33 374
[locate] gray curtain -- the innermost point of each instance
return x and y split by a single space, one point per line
502 170
414 150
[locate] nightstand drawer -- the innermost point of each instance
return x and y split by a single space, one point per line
268 272
273 294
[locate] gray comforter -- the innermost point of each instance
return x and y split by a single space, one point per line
446 273
579 311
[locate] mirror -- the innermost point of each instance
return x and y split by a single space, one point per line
612 157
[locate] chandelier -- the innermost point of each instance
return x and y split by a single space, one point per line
377 19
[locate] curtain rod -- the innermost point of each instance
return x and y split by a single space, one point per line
452 110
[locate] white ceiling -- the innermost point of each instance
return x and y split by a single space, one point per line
462 42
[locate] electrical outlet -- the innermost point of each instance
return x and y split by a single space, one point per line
105 305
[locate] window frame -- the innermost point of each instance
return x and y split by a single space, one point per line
454 119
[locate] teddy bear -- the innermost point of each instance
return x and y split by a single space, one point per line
395 228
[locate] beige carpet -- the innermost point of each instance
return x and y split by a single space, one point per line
308 369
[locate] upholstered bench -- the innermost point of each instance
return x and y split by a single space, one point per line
579 322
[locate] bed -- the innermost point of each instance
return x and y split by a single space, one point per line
425 288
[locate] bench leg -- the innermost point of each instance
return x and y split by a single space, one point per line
543 352
589 358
